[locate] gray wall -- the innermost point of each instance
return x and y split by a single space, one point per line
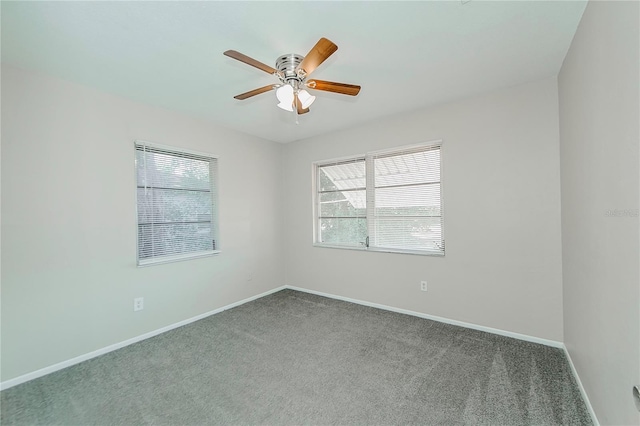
68 225
599 139
69 231
501 185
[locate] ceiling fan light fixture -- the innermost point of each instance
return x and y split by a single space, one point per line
285 96
305 98
286 107
293 70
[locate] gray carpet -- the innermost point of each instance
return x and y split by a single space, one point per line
296 358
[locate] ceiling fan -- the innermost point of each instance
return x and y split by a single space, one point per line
293 71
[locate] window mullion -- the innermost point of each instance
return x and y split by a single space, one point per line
382 201
213 189
318 224
371 201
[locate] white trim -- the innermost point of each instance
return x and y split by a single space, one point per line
392 150
380 249
362 157
369 158
339 160
176 258
338 246
68 363
527 338
533 339
583 392
215 214
172 148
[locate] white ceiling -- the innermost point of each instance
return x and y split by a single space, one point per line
405 55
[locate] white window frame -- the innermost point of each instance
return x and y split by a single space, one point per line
214 184
370 190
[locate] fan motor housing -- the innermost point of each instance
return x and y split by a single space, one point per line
287 64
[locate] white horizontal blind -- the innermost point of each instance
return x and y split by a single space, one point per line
341 203
406 200
177 204
389 201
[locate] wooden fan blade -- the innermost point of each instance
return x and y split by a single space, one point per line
299 107
250 61
317 55
254 92
330 86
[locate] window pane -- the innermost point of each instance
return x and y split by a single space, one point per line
350 175
408 168
171 239
393 198
343 231
407 201
340 204
168 205
168 171
175 201
418 200
409 233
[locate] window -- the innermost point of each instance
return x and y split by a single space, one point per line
383 201
177 203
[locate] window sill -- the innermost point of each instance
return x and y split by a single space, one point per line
178 258
381 250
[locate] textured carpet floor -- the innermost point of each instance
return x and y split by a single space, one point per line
297 358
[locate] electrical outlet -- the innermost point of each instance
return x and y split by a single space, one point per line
138 303
423 285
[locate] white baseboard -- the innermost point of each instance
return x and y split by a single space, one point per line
506 333
519 336
585 398
64 364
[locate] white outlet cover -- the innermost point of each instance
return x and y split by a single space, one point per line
138 304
